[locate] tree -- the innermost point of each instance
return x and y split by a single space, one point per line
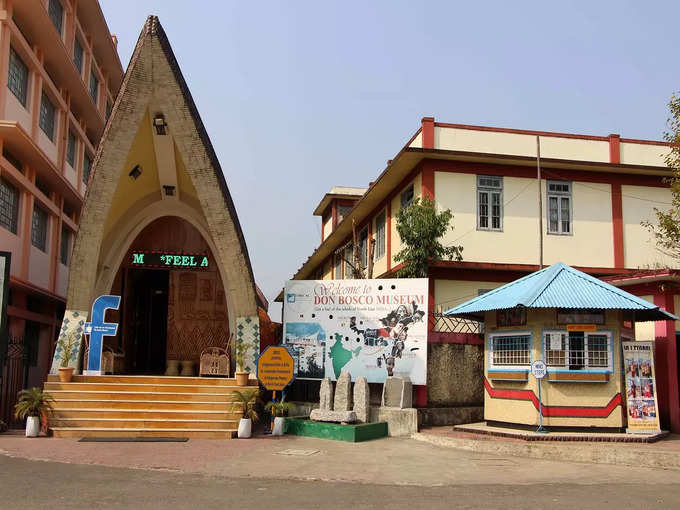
667 230
421 227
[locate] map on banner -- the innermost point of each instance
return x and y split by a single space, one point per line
371 328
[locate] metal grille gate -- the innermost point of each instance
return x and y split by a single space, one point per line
14 379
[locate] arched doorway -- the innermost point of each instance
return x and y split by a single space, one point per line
173 301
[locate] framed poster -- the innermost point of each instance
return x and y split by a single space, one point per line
580 316
641 398
516 316
5 260
373 328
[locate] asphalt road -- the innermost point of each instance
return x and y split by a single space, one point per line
39 484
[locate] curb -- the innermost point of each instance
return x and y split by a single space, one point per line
595 453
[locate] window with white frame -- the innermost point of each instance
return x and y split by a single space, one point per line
380 241
510 349
363 246
56 13
48 114
559 207
577 350
17 77
78 55
407 197
489 202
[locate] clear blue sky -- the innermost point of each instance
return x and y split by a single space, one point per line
300 96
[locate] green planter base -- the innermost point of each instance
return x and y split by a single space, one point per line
335 431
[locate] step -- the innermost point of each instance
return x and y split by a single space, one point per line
150 405
143 423
118 432
157 388
144 414
141 395
149 379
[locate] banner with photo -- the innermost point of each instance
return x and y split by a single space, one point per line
371 328
642 404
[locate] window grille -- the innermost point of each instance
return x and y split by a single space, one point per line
343 212
363 246
559 207
337 272
510 350
407 197
65 245
577 350
9 206
489 202
56 13
42 186
71 150
380 226
94 87
39 229
348 260
17 78
78 56
47 115
87 166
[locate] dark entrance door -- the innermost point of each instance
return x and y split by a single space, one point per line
147 295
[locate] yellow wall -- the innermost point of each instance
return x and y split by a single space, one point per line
449 293
590 394
396 205
638 205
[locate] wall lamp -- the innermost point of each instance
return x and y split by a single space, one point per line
159 124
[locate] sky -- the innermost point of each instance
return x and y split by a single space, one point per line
298 97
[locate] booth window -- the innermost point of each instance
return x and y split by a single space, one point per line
510 350
576 350
489 202
559 207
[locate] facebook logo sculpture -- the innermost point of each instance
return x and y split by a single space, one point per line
98 329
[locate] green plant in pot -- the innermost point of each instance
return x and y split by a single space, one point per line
67 344
241 374
279 410
33 404
247 401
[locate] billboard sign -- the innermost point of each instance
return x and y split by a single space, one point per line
371 328
641 399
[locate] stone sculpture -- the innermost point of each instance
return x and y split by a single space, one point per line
397 392
361 399
340 410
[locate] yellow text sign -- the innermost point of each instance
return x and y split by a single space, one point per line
275 368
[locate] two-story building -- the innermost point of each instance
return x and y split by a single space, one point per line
60 72
586 209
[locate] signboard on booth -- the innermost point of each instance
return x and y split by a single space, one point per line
275 368
641 398
371 328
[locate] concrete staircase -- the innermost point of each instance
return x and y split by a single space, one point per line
144 406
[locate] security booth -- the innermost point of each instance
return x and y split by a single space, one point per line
583 330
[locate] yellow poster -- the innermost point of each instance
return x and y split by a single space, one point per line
642 404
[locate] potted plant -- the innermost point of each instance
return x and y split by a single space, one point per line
279 410
33 404
67 344
247 400
241 374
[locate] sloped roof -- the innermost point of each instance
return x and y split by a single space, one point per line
559 286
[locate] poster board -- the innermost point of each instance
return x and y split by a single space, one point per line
371 328
5 260
641 398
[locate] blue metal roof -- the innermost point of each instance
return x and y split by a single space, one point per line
560 286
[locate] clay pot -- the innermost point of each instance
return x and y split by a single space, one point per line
173 367
241 378
65 374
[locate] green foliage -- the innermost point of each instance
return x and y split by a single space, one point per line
281 408
67 344
32 402
420 228
667 230
248 399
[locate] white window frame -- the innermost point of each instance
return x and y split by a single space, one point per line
509 367
559 195
380 235
553 367
487 189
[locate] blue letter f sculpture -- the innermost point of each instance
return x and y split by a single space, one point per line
98 329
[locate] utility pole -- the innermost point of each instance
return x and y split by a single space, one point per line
540 203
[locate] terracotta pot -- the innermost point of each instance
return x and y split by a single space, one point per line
65 374
242 378
186 368
173 367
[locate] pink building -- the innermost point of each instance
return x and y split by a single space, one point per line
60 72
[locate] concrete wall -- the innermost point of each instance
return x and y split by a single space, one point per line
455 375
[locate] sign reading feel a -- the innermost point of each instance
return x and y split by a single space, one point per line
159 259
275 368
